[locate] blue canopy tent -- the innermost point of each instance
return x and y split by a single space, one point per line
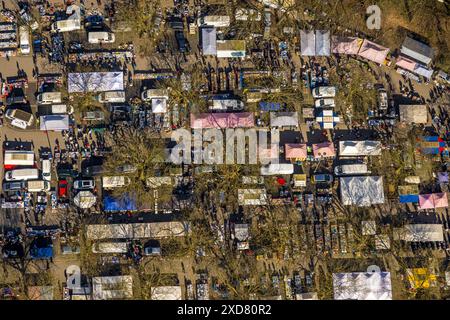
113 204
409 198
269 106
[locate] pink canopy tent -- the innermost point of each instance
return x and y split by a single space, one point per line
295 151
440 200
373 52
426 201
345 45
433 200
405 63
324 150
222 120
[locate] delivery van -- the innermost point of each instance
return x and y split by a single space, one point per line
324 92
66 25
111 97
150 94
46 169
61 109
19 118
115 182
18 158
110 247
49 97
351 169
38 185
22 174
101 37
24 40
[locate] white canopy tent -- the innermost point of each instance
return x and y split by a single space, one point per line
166 293
307 43
85 199
351 148
115 287
323 43
277 168
362 191
209 41
284 119
362 286
54 122
159 105
95 82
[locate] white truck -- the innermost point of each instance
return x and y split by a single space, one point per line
24 40
351 169
18 158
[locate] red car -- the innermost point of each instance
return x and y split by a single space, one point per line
62 188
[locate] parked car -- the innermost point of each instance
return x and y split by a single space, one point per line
83 184
126 168
93 170
62 188
14 186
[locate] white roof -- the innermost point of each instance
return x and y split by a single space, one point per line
362 191
362 286
85 199
137 230
166 293
95 82
307 43
209 41
322 43
420 233
54 122
359 148
284 119
277 168
117 287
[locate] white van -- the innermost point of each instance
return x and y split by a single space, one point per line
49 97
22 174
351 169
24 40
66 25
110 247
324 103
150 94
46 169
18 158
115 182
324 92
111 97
38 185
19 118
101 37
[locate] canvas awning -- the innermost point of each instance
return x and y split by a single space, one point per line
345 45
420 233
433 200
362 191
350 148
373 52
413 113
322 43
295 151
54 122
85 199
362 286
222 120
95 82
307 43
284 119
209 41
417 50
159 105
324 150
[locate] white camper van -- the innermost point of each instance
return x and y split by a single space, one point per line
101 37
111 97
66 25
49 97
21 174
38 185
351 169
115 182
24 40
18 158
